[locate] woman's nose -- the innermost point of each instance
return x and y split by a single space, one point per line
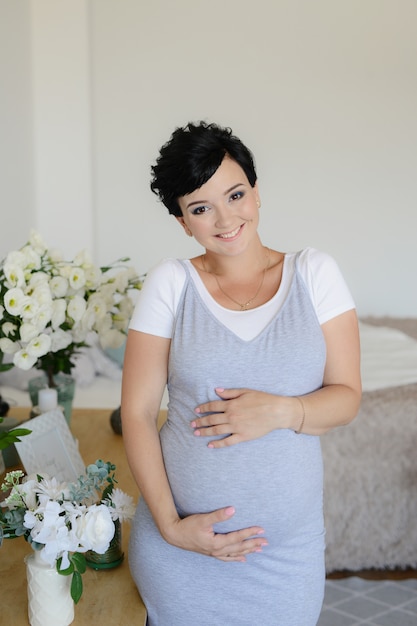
223 216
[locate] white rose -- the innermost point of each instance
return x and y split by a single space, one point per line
97 529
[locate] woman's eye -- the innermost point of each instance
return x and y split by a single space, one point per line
237 195
199 210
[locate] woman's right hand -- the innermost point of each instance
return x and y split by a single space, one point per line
196 533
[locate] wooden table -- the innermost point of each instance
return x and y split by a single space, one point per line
110 597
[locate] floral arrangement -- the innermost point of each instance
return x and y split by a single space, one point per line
49 306
65 520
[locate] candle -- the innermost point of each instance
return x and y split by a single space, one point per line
47 399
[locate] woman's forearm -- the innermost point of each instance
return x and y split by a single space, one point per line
144 455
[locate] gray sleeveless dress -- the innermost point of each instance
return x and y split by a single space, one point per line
274 482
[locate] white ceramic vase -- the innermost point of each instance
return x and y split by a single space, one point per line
49 595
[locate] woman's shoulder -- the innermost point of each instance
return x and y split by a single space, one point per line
312 262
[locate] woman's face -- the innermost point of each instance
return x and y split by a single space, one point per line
223 214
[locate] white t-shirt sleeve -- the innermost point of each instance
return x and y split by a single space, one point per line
327 287
158 299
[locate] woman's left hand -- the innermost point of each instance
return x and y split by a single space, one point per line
241 414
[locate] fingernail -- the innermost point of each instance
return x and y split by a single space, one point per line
230 510
219 389
197 433
193 424
197 410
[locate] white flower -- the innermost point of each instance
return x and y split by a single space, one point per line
58 312
30 308
77 278
42 318
60 339
121 507
112 339
8 328
8 346
42 294
97 528
24 360
58 286
76 308
28 331
36 241
126 307
32 259
14 274
82 259
93 276
15 301
39 346
51 488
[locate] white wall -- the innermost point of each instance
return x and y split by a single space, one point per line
16 145
324 92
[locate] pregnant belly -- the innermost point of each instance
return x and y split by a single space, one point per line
274 482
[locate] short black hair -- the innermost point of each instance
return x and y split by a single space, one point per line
191 157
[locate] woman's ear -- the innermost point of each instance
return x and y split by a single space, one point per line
181 221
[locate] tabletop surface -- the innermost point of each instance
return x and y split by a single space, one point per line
109 596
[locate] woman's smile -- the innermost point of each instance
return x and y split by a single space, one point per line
231 234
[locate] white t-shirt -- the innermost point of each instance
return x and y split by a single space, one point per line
158 300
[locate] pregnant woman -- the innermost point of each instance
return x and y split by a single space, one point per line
260 353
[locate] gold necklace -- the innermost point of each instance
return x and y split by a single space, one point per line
245 305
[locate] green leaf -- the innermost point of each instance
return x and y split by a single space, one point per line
64 572
76 587
79 562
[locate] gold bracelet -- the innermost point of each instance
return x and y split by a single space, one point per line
300 428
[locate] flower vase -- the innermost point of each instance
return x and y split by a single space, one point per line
112 557
49 594
65 386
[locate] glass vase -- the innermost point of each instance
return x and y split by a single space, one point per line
112 557
49 594
65 386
